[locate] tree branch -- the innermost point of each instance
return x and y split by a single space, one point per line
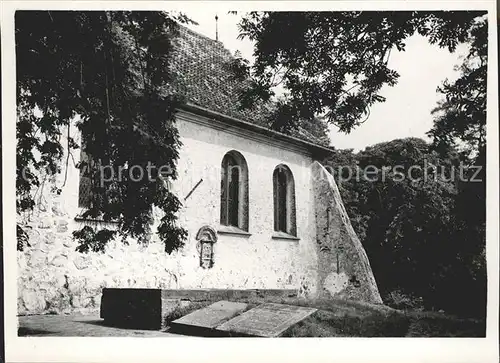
67 157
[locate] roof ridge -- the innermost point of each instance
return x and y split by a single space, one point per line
208 83
203 36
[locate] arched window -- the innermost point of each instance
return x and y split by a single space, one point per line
85 185
234 191
284 201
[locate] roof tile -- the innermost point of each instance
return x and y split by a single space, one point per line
204 79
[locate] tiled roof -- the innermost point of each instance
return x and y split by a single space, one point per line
203 77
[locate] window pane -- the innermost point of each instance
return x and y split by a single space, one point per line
282 200
223 196
234 191
84 192
230 192
85 183
275 197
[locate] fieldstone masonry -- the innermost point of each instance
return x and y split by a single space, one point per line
54 278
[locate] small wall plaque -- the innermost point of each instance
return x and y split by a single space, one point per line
206 238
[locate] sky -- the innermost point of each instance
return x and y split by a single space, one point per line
407 109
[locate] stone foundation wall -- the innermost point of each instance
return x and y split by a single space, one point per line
54 278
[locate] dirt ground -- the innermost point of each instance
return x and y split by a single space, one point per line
77 326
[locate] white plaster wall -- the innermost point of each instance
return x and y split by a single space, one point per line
258 260
53 277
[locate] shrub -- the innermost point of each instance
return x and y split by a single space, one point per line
399 300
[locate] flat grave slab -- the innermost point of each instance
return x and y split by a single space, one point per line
208 318
143 308
266 320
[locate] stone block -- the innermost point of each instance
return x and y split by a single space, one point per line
68 242
138 308
21 310
97 300
50 238
341 256
57 209
37 258
62 228
82 262
62 225
45 223
59 261
94 286
336 282
33 301
77 285
81 301
21 261
147 308
60 280
266 320
58 304
204 321
42 246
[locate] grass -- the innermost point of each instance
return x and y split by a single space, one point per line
344 318
327 324
430 324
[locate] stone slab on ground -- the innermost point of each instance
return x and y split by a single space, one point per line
204 320
266 320
148 308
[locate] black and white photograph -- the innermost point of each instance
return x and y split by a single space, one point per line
223 171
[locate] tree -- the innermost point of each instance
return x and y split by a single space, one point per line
111 69
400 216
460 118
334 64
404 201
460 122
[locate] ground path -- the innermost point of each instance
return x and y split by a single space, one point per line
333 318
78 326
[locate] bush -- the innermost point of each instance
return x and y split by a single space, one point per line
399 300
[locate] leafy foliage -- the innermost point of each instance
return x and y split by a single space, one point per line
460 119
110 71
334 64
460 122
424 239
409 215
89 239
22 239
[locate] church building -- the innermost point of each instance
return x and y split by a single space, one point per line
260 209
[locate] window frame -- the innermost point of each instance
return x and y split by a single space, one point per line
284 204
234 204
